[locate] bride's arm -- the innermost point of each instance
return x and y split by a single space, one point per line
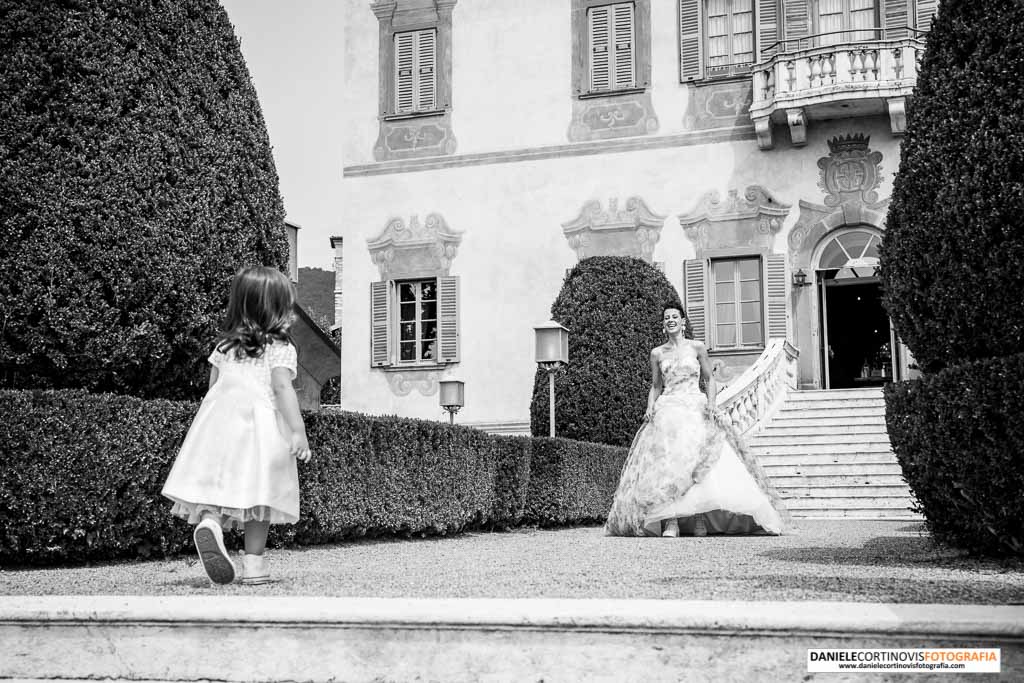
656 384
708 377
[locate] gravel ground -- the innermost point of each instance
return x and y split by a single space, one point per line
840 560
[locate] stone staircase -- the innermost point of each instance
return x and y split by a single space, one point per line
828 455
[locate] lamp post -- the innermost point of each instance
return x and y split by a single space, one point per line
452 397
552 353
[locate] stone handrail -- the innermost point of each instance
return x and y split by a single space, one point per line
753 397
849 65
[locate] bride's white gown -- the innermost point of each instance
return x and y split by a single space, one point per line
681 465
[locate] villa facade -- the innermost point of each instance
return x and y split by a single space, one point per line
745 147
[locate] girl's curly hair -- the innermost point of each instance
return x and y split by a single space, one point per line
259 312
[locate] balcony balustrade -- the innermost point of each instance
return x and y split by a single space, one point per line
834 75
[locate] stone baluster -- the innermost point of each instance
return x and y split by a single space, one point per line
814 80
897 63
828 71
790 76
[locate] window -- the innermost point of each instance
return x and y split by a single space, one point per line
612 41
730 36
721 38
417 321
841 21
414 322
737 303
416 71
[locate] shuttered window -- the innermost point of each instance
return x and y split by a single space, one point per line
926 10
730 36
416 71
842 21
737 308
414 322
612 40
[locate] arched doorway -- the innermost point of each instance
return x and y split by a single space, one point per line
858 347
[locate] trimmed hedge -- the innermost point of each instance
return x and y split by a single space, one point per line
136 177
80 478
959 437
612 307
952 262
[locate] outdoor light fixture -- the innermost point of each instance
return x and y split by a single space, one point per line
453 396
800 278
552 354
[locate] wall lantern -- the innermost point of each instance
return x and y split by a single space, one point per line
453 396
800 278
552 354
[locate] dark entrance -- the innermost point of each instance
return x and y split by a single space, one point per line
857 334
857 341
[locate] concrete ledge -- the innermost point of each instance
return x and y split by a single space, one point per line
366 639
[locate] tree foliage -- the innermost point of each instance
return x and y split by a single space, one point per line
612 306
136 177
953 255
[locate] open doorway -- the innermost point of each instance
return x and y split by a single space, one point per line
857 337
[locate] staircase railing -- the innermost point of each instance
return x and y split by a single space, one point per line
753 397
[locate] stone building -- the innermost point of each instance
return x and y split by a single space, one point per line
745 147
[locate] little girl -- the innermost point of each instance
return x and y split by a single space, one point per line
236 467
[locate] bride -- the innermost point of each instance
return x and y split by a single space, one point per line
687 471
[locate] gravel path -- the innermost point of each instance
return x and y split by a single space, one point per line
839 560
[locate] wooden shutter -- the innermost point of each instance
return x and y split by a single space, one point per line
426 74
405 80
797 20
380 324
691 41
926 10
448 324
775 294
600 49
624 44
896 18
767 28
694 276
415 71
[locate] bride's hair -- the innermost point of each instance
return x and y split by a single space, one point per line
687 327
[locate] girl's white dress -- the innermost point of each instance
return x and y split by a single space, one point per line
235 460
681 466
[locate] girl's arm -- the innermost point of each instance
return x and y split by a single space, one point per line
708 377
214 374
288 404
656 384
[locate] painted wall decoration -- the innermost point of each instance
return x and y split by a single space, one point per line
632 230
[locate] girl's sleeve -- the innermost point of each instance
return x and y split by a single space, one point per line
282 355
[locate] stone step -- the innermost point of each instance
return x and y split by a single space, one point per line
808 427
835 394
837 449
853 490
878 477
847 458
853 502
269 639
866 403
766 439
859 513
801 468
787 412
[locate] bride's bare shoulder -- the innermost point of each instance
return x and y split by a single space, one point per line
657 351
697 345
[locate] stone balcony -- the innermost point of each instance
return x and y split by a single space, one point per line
807 80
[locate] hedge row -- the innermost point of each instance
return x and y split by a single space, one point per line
959 437
80 478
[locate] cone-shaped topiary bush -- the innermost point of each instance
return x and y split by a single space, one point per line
135 178
953 256
612 306
953 273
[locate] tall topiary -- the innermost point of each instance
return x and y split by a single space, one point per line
135 178
612 307
953 273
953 256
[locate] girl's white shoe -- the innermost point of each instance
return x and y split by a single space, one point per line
671 529
254 570
209 540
